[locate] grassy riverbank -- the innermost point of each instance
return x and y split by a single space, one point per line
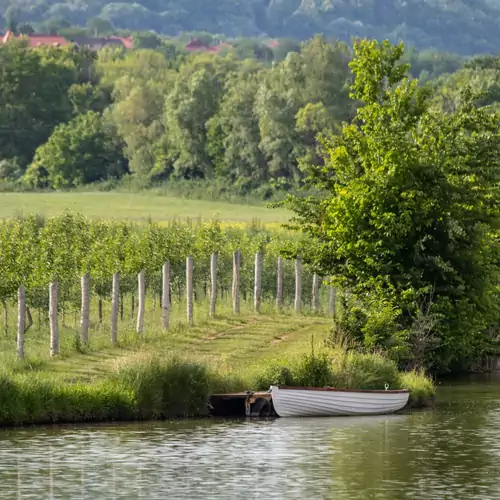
174 374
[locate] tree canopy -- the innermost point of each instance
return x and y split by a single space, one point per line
409 217
458 26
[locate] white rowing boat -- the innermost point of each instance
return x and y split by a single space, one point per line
328 402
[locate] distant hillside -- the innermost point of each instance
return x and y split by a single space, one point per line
462 26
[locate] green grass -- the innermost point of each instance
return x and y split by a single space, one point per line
234 342
158 375
138 207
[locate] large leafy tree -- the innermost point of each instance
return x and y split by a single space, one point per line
33 97
409 215
82 151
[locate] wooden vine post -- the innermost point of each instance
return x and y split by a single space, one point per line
53 320
236 281
332 306
298 284
315 293
165 296
115 304
85 309
21 321
213 283
257 282
189 290
279 285
141 306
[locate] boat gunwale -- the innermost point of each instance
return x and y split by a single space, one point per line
334 389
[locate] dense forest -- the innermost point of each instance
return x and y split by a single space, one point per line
466 27
248 118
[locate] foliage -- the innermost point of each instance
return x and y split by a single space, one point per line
233 118
164 388
410 211
462 27
83 151
345 369
35 252
422 388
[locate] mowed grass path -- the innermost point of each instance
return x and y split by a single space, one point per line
233 344
134 207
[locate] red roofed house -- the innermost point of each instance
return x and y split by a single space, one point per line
37 40
196 45
128 42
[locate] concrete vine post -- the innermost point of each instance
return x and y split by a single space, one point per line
257 281
236 282
53 320
165 296
189 289
85 310
213 283
21 321
141 306
315 294
279 285
115 304
298 284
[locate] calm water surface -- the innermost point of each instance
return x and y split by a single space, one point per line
450 452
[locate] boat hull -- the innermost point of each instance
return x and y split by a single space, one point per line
306 402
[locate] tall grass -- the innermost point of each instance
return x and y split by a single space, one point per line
145 386
343 369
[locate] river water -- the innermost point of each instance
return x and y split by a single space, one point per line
452 451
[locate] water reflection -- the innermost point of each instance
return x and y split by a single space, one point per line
451 452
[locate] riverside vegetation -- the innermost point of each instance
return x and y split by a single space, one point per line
160 374
402 217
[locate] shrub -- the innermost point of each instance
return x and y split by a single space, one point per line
165 387
354 370
275 373
422 388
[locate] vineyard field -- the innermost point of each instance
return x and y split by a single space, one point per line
134 207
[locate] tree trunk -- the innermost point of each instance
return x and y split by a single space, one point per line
298 284
115 300
21 322
258 282
99 309
6 318
236 282
142 302
54 325
189 289
213 283
165 296
85 311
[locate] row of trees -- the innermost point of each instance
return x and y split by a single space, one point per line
462 27
35 252
157 115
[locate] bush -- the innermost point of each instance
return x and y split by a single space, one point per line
354 370
276 373
422 388
165 387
